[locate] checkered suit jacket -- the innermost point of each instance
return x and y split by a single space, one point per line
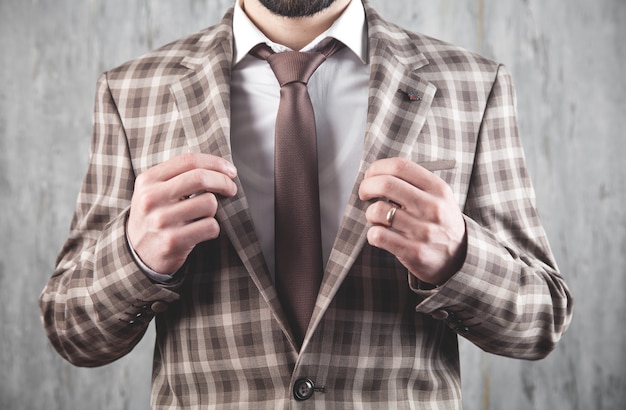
377 339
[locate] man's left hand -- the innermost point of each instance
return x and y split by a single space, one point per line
427 231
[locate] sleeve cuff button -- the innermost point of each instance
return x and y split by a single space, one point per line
440 315
159 307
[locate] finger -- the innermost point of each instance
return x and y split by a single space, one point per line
198 231
384 213
175 215
393 189
197 181
195 208
387 239
415 254
405 223
187 162
174 244
408 171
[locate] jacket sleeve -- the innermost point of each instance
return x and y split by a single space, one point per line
508 298
98 303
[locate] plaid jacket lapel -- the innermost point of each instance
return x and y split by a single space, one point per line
398 104
203 100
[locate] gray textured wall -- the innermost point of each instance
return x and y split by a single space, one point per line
567 57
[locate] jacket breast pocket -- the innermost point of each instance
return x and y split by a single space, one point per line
452 171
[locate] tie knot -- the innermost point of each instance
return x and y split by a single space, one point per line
295 66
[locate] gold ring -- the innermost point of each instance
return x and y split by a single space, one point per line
390 215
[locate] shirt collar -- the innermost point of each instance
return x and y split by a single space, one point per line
350 28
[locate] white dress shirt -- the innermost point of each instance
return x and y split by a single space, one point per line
339 94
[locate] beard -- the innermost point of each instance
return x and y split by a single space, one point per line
296 8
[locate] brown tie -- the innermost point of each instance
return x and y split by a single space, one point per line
298 243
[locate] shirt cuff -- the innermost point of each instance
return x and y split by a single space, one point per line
153 275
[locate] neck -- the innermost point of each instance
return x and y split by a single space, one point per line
294 33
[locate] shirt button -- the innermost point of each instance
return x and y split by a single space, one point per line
303 389
159 307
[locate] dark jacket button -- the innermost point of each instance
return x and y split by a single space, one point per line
303 389
159 307
440 315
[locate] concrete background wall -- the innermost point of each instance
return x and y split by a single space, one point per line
567 58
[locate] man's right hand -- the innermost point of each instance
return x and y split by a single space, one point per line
173 208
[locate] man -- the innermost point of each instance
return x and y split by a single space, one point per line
428 223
